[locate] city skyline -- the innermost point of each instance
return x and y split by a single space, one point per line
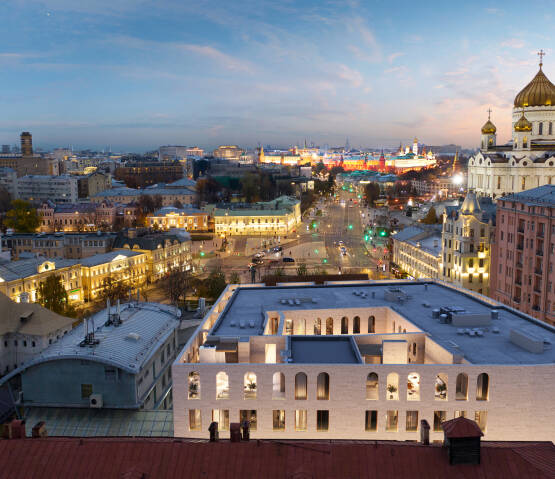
135 75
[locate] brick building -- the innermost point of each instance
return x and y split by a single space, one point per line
522 274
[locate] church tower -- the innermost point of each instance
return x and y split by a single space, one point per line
415 146
522 133
261 155
488 134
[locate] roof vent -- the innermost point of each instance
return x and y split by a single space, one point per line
134 336
527 341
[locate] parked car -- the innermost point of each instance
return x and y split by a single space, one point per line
277 249
288 260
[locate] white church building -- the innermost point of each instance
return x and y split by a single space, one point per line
528 159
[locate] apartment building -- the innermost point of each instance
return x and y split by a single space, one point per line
524 252
466 250
120 358
365 360
417 250
40 188
272 218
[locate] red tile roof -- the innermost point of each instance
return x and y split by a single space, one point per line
131 458
461 427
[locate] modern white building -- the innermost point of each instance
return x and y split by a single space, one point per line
417 250
40 188
365 360
528 159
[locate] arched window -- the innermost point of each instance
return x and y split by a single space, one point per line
222 386
372 386
540 128
414 349
323 386
249 386
440 389
317 326
300 386
525 142
482 387
413 387
329 326
393 386
356 325
194 385
461 389
371 324
278 386
344 325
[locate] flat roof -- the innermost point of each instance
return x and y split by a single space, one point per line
248 305
322 349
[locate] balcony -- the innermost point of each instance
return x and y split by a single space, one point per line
520 229
538 271
536 307
537 289
520 246
519 265
518 281
516 300
539 252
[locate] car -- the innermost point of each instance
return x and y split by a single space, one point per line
288 260
343 250
261 253
341 243
257 260
277 249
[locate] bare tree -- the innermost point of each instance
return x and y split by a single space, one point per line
177 284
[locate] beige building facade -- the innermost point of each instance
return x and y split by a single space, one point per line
417 251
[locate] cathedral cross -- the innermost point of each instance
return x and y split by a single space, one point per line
541 54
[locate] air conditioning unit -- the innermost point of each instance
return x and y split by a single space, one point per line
95 401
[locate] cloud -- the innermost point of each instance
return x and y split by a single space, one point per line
494 11
227 61
513 43
395 55
350 75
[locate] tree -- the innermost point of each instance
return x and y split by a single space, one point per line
431 218
23 218
319 168
250 187
52 295
176 284
372 193
302 270
234 278
212 286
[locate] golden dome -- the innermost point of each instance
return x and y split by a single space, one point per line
539 92
523 124
488 128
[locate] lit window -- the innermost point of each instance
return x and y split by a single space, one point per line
371 421
392 419
300 420
412 421
194 420
322 420
278 420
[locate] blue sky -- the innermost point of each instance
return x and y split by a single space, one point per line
135 74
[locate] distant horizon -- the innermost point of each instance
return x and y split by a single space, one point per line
133 74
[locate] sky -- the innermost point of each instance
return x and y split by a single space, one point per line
136 74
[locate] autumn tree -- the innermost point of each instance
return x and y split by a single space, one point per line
431 218
52 295
23 218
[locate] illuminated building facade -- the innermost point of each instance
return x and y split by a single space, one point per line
190 219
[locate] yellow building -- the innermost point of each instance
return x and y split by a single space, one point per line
277 217
104 271
190 219
20 280
163 252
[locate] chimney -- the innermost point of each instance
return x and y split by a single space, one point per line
462 439
424 432
15 430
213 430
235 432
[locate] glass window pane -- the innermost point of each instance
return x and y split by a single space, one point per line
371 421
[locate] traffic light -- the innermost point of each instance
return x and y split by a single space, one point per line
202 253
316 251
350 227
383 233
366 237
325 260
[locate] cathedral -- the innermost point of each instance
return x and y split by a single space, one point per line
528 159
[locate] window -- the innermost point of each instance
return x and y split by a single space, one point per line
250 416
194 420
300 420
391 422
317 326
356 325
86 390
413 387
322 420
329 326
461 390
249 386
371 324
300 386
412 421
371 421
323 386
393 386
440 390
221 416
278 420
278 386
482 387
460 414
344 325
372 386
439 417
222 386
481 418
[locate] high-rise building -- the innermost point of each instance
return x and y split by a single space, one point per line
522 270
26 144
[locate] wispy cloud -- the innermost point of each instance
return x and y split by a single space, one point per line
350 75
226 61
513 43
